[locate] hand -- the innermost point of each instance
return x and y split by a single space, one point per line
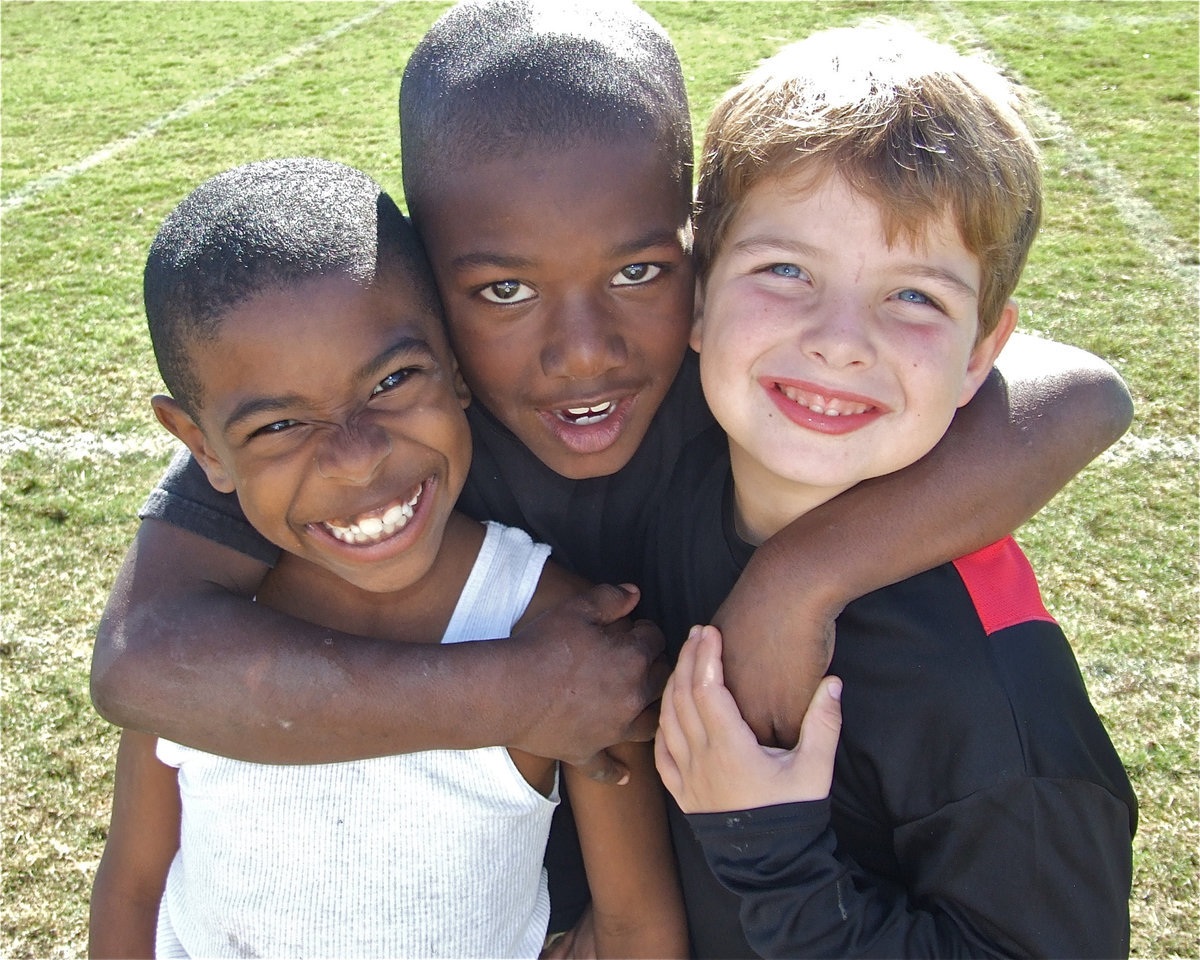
604 675
708 756
772 665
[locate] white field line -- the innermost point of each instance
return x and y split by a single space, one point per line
57 178
1140 218
74 445
81 444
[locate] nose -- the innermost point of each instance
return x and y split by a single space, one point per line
838 334
353 452
584 341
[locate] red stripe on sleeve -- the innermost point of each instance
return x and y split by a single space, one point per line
1002 586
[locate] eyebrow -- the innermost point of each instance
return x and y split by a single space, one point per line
488 258
944 276
405 346
756 244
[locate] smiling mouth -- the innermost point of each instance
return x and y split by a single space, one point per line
377 525
824 405
586 416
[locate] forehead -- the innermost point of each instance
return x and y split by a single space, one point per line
627 188
826 199
309 336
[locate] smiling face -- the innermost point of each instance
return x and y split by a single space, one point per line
829 356
568 287
335 411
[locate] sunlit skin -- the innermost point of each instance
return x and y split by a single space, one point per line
829 356
567 282
336 412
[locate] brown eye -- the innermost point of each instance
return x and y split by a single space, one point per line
636 273
507 291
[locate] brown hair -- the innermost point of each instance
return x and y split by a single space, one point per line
909 123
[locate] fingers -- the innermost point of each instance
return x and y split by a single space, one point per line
823 722
604 768
607 602
644 725
682 694
668 768
819 734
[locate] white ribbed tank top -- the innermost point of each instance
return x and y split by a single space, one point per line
434 854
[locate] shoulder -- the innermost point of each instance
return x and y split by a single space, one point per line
961 670
1002 586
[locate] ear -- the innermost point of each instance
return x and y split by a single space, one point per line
697 317
172 416
461 390
986 351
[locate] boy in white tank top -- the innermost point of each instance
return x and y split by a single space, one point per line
297 326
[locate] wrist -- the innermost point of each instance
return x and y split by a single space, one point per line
512 688
826 588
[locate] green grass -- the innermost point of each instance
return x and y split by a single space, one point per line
1114 271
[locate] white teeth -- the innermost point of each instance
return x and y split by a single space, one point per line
393 515
818 404
584 416
373 529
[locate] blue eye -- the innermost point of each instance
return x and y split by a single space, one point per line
914 296
636 273
788 270
506 291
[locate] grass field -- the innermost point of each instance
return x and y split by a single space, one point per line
112 112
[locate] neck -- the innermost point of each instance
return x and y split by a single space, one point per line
764 502
417 612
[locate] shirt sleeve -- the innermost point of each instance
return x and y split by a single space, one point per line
184 498
1030 867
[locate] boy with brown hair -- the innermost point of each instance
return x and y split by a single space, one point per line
867 201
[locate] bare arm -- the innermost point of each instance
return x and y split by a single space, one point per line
183 652
1007 453
142 839
637 907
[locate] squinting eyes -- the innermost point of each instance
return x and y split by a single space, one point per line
636 273
392 380
279 426
788 270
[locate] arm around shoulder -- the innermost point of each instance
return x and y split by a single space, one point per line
1017 443
183 652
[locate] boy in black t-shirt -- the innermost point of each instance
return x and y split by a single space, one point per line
867 202
547 164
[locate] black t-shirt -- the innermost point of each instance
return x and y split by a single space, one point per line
978 806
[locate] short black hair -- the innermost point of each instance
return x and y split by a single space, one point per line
500 77
259 227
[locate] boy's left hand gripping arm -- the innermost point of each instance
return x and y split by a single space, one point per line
1042 416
